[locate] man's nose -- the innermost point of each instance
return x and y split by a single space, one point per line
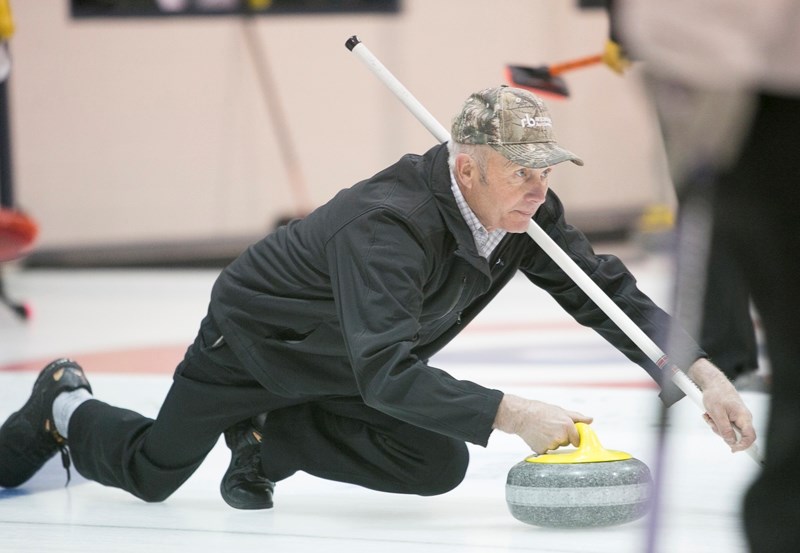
538 190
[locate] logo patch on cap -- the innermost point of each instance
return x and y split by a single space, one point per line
539 121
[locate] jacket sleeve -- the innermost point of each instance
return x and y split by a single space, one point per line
378 270
611 275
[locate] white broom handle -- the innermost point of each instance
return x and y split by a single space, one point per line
611 309
385 76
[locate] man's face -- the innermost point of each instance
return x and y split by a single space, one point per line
506 195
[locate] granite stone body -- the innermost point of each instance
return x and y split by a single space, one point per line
578 495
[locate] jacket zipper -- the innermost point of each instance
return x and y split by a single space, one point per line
452 307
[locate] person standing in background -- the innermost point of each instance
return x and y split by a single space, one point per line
727 330
725 79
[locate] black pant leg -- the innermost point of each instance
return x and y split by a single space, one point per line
152 458
758 210
347 441
727 332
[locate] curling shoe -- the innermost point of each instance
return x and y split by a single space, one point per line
29 438
244 485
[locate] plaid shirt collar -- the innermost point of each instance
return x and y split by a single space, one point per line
485 241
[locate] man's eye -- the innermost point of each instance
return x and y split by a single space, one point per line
522 173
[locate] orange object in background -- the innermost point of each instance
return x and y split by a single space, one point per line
17 234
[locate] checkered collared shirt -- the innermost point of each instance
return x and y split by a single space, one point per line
485 241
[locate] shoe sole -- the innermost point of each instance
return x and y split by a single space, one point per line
244 505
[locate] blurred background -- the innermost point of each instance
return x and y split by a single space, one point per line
178 131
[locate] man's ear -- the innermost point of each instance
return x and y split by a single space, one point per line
466 170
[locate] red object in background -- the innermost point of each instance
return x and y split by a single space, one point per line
17 234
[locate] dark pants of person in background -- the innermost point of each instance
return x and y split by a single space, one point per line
757 211
728 333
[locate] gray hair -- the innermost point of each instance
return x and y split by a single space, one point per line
478 152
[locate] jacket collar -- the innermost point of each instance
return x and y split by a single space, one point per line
439 181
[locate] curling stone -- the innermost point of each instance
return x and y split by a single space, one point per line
578 488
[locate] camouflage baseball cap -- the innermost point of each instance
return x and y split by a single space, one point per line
514 122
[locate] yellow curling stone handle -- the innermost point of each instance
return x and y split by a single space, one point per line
589 451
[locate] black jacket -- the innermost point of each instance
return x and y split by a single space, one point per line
355 298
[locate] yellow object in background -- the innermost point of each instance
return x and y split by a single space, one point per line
6 21
614 57
259 4
657 218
